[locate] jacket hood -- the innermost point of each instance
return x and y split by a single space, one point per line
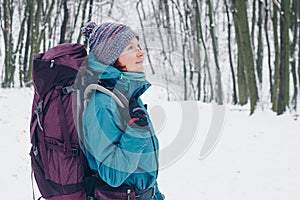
131 84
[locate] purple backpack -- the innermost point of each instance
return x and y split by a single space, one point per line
59 166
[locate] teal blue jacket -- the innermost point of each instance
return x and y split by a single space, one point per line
121 155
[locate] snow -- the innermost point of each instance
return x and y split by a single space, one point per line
256 157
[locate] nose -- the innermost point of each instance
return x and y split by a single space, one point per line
140 53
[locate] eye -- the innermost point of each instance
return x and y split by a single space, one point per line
130 47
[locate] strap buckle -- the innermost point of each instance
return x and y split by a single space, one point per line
68 89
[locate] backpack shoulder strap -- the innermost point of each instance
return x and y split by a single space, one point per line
83 97
116 95
119 98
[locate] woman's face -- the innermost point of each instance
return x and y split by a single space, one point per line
132 57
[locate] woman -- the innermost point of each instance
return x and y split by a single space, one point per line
120 145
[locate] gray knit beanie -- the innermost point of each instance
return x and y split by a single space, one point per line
108 40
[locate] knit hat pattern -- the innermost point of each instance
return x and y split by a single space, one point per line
108 40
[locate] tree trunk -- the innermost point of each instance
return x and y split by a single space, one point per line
219 96
206 66
274 94
144 36
234 93
299 49
34 38
20 45
46 20
260 50
253 21
268 44
63 29
167 23
79 37
197 56
7 12
26 67
283 97
240 16
241 76
294 28
159 23
75 20
90 10
91 2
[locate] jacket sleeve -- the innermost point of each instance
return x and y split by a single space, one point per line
116 154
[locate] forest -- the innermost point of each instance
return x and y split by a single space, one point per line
227 51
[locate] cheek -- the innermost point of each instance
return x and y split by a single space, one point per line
127 60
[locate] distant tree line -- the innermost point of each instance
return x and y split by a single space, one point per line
261 36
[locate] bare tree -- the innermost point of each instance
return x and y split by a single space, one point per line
83 16
64 24
253 21
229 24
206 66
7 12
196 45
294 29
266 28
78 7
139 3
298 48
274 94
260 49
219 96
283 96
240 16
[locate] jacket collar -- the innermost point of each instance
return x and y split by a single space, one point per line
131 84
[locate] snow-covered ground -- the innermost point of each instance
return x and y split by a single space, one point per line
257 157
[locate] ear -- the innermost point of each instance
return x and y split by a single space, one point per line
119 65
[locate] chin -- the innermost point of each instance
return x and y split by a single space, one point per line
139 68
